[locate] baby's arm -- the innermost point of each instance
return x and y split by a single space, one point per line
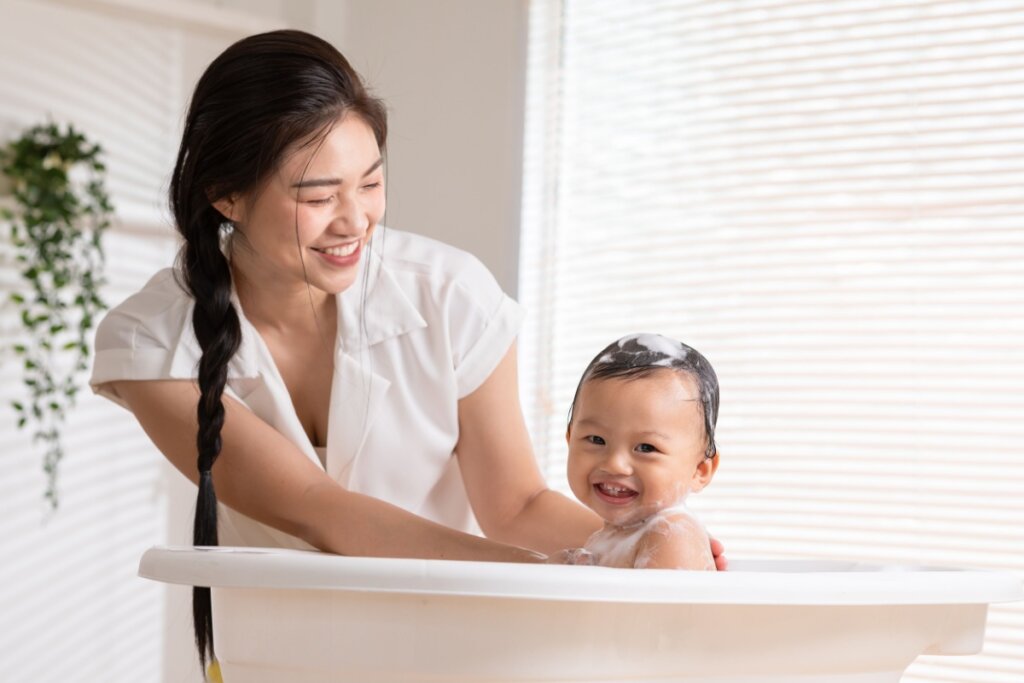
676 542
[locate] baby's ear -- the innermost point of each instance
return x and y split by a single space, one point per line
705 472
568 432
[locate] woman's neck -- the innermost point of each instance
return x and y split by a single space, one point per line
275 306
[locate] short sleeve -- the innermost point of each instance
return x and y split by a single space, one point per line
484 323
139 339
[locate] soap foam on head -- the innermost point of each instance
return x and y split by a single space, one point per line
636 354
658 344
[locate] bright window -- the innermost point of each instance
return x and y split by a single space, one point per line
826 197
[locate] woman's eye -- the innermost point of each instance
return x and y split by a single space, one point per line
319 202
646 448
372 186
596 440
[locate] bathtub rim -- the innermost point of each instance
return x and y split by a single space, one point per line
847 583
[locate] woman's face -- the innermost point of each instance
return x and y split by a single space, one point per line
318 210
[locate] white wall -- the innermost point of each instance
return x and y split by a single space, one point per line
453 75
451 72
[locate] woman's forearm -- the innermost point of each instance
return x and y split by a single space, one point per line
347 523
550 522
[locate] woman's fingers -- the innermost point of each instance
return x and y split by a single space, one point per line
718 550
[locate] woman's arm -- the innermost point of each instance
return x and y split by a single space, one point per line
506 489
264 476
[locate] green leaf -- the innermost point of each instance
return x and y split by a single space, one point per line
55 231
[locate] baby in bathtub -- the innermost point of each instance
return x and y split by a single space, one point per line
641 438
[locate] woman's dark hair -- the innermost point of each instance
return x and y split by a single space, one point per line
640 355
263 97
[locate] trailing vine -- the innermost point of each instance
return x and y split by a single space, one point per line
61 209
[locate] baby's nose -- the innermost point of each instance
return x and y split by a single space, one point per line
619 462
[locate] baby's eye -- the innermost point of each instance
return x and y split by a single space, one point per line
646 448
594 439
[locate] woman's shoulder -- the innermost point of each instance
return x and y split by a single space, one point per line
427 258
162 291
149 336
160 305
141 337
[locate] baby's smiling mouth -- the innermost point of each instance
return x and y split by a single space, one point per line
616 494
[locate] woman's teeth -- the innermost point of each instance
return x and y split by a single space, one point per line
344 250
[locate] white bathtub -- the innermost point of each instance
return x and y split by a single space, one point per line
299 617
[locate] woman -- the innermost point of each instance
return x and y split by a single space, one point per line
325 372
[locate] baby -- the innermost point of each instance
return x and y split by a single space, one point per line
641 437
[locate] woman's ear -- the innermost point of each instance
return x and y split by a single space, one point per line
230 207
705 472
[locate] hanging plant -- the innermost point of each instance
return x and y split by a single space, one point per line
60 212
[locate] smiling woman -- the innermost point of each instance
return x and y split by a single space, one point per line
323 391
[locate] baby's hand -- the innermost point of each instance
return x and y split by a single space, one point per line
573 556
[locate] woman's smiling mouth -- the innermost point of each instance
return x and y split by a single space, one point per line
342 255
343 250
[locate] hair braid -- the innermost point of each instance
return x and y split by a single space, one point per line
217 328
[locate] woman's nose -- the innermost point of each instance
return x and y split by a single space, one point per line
352 217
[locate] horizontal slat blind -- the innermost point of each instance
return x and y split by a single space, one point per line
72 607
827 199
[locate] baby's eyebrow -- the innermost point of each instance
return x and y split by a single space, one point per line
653 433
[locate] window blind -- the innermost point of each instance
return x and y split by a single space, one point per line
71 605
827 199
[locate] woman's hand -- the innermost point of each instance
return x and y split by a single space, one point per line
573 556
718 550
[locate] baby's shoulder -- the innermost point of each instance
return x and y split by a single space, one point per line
674 540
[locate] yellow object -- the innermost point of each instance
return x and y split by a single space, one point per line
213 673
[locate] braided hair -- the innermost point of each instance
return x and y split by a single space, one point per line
262 97
640 355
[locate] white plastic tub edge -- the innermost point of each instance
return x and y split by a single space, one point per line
310 617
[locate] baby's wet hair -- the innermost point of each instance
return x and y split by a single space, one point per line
640 355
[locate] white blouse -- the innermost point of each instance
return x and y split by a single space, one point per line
436 324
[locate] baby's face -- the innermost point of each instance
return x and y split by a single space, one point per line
637 446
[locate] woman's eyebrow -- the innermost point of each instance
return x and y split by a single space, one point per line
325 182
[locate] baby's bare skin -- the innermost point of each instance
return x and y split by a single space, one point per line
670 539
